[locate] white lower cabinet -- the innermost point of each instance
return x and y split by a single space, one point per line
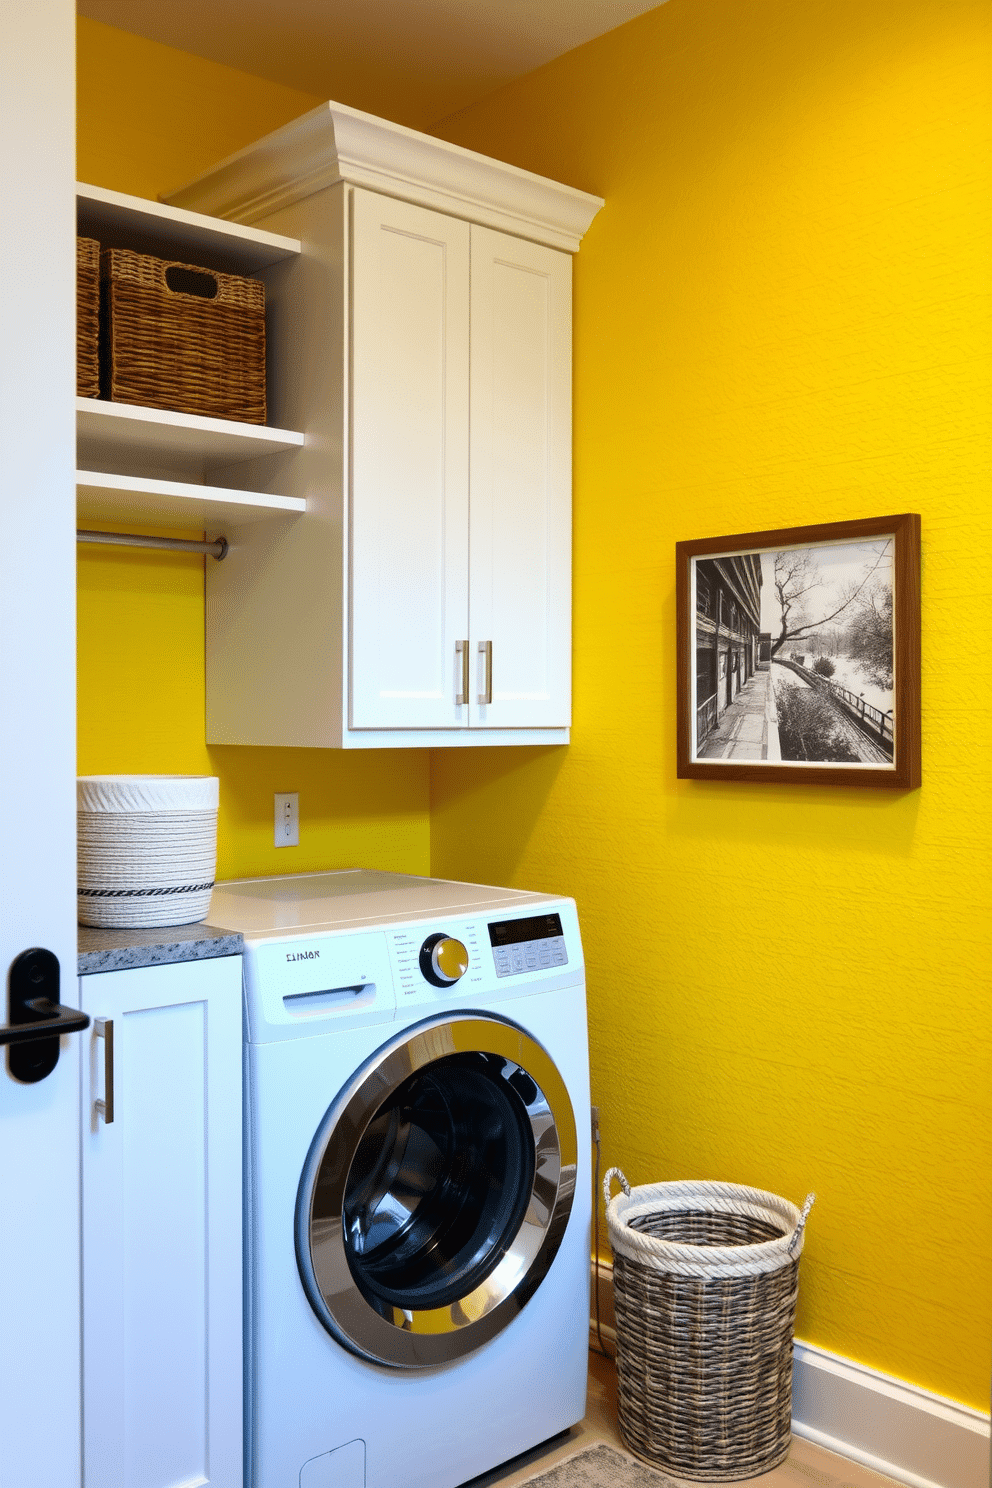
161 1235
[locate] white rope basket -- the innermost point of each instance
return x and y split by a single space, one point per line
682 1259
147 849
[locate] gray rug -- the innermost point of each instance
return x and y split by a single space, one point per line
601 1467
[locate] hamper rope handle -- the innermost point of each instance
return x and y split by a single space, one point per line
611 1174
797 1233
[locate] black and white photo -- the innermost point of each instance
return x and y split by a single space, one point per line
794 661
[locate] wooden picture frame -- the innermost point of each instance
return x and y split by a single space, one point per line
791 644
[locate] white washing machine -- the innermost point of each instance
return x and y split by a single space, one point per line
417 1176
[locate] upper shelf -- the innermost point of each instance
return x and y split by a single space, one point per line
120 221
184 441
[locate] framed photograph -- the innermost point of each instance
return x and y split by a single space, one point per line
799 655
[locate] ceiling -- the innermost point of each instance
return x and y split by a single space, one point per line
414 61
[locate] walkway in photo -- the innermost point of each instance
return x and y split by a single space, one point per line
747 730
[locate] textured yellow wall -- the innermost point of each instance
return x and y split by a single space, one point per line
150 117
782 317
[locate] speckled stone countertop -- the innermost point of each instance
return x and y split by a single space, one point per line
120 950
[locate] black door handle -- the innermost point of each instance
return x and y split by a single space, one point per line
37 1017
52 1018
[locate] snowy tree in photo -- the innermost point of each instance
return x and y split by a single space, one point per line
807 596
869 634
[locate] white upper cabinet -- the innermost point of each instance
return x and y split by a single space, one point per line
422 342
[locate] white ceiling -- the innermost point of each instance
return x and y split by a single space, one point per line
415 61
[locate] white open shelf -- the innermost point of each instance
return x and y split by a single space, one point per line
120 221
102 496
150 466
106 431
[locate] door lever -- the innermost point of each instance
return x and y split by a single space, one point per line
37 1017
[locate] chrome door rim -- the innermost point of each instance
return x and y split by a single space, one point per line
408 1338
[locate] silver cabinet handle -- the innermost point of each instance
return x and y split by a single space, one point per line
104 1028
461 649
486 650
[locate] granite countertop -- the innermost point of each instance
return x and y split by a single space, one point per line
121 950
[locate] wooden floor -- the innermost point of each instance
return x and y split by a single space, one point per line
807 1466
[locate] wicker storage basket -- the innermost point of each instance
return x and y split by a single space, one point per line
147 848
179 337
87 317
705 1279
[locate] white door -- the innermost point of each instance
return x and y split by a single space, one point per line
520 573
409 475
161 1108
39 1123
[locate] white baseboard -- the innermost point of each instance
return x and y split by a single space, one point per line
909 1434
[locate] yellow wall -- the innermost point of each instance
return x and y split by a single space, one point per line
782 317
149 118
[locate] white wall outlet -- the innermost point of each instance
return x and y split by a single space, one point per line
287 819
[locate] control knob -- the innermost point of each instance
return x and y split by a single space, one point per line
443 960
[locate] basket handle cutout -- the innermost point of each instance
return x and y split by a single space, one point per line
197 282
607 1181
810 1201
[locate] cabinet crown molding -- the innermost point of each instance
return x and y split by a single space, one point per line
334 143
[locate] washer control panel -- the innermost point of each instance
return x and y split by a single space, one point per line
460 959
533 944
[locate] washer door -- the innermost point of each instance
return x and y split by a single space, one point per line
436 1191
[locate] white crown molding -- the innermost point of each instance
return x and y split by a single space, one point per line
900 1430
334 143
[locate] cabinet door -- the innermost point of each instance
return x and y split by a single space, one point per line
520 482
162 1364
409 464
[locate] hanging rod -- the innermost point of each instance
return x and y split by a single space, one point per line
216 549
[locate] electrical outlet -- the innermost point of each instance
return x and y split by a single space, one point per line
287 823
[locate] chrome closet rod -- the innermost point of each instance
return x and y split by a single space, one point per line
216 549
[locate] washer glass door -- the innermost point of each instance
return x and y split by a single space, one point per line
437 1191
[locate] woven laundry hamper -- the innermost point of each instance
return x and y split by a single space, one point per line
705 1280
147 848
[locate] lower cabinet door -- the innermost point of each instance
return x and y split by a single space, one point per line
161 1242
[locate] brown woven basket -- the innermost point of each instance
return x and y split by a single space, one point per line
180 337
705 1280
87 317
